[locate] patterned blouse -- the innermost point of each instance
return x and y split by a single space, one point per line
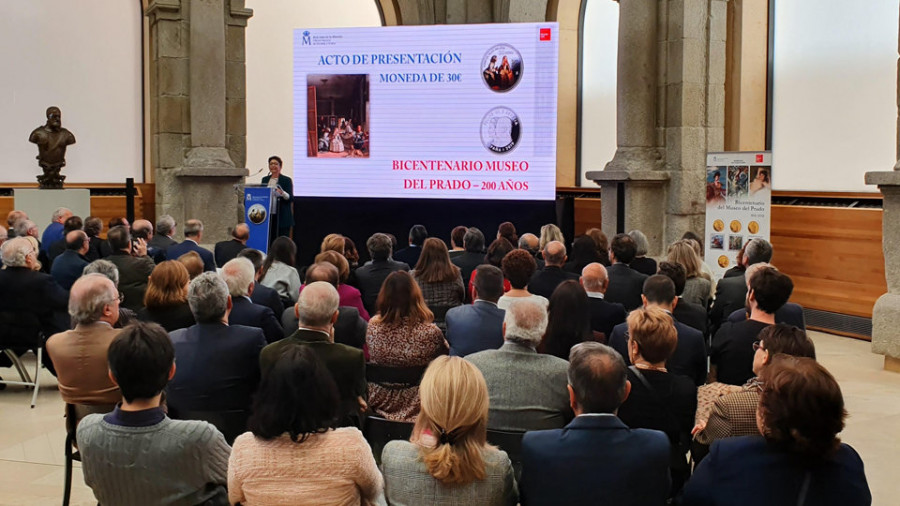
401 345
441 297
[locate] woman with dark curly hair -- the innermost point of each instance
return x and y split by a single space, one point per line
518 266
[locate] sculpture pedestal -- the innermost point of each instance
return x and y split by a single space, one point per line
886 313
40 204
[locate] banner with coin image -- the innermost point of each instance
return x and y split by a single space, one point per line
738 205
444 112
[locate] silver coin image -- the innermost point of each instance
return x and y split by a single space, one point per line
501 68
500 130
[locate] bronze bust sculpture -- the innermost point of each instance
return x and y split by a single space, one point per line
52 140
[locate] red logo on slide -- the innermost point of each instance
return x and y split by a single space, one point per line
759 158
545 34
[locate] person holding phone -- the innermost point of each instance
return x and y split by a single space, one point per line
283 219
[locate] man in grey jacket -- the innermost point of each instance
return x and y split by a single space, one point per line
527 389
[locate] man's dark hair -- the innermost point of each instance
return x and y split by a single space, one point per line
119 238
417 235
92 226
457 236
675 272
78 242
488 282
758 250
255 256
659 289
72 223
473 241
276 158
787 339
597 375
140 359
379 246
771 288
623 248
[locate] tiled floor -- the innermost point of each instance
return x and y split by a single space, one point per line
31 440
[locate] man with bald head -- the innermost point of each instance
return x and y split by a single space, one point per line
604 314
625 283
227 250
238 274
544 281
80 354
14 216
67 267
317 310
143 229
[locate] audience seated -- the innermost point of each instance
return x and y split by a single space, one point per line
473 241
55 230
448 460
371 275
218 363
12 218
333 242
193 234
133 264
317 310
79 355
731 355
527 389
238 275
410 254
625 283
279 270
659 399
641 262
596 459
518 267
696 285
401 335
531 244
478 326
496 252
697 244
67 267
349 296
166 298
692 315
261 294
569 320
136 455
192 262
99 248
143 229
545 281
798 459
689 358
550 233
604 315
584 252
507 230
602 243
111 272
58 247
735 414
731 292
228 250
440 281
293 453
457 239
789 313
352 256
349 329
162 239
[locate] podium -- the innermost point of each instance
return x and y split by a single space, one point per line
259 204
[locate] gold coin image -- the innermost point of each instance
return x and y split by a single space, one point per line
735 226
723 261
718 225
753 227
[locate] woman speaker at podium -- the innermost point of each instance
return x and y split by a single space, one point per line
283 220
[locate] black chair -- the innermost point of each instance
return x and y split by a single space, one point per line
395 377
379 431
511 443
74 414
231 423
20 332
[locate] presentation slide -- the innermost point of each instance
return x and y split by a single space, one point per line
443 112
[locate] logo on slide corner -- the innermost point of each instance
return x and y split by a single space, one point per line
544 34
500 130
306 38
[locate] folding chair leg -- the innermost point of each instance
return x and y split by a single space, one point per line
37 377
67 491
18 363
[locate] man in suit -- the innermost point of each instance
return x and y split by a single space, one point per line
193 234
690 314
162 239
238 275
625 283
596 459
478 326
58 247
54 230
604 315
473 242
218 363
731 292
79 355
731 355
226 250
544 281
457 239
410 254
68 266
371 275
262 295
133 263
143 229
283 219
689 358
349 329
527 389
317 309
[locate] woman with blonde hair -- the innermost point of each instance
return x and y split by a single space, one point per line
447 459
550 233
697 286
165 301
332 242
